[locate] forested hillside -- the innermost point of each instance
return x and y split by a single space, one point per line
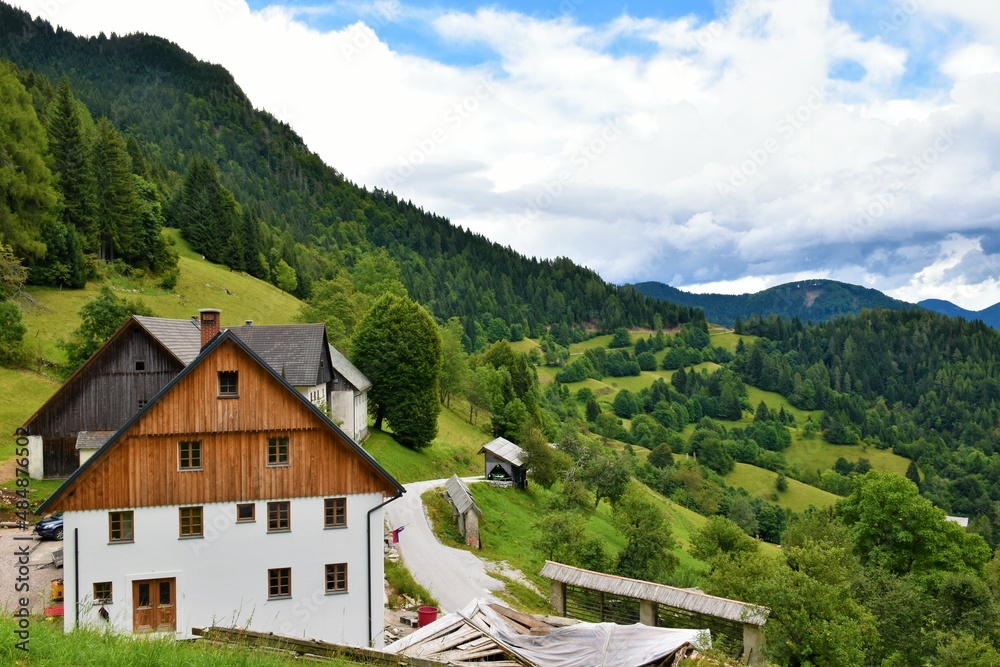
807 300
925 385
272 207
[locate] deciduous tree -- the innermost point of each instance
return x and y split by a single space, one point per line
397 345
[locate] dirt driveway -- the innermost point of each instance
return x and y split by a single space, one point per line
41 572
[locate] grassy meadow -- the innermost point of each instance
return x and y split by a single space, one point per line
760 483
50 647
202 284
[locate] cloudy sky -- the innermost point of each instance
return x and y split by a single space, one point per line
713 145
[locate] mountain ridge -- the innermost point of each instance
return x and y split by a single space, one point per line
815 300
989 315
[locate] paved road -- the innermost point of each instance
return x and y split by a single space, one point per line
453 576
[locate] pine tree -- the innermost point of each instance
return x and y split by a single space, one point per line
71 164
117 201
913 474
206 212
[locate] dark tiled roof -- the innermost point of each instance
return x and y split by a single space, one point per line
181 337
343 365
294 351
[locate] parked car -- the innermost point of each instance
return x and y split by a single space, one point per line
50 528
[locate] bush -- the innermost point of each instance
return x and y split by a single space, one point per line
621 364
622 338
12 330
168 280
647 361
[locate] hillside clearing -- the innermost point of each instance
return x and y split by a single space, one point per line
760 483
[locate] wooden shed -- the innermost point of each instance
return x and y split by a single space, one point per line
464 510
505 463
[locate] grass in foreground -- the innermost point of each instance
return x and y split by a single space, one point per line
50 647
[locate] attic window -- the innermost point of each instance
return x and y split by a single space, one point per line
228 383
140 366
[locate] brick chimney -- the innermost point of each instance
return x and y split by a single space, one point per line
209 324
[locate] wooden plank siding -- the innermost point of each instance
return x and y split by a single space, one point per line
140 468
105 392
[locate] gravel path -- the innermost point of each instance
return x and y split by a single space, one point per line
454 576
41 572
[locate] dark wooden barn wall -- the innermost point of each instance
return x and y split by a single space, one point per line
106 393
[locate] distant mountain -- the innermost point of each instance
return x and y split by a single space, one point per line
809 300
990 316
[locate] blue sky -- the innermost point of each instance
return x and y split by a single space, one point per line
715 146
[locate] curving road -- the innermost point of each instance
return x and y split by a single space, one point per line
454 576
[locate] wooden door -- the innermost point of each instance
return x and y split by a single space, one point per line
59 457
154 605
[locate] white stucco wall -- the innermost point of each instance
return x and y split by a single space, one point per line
342 411
222 577
36 466
361 416
316 393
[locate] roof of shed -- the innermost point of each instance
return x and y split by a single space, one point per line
460 496
679 598
343 365
506 450
92 439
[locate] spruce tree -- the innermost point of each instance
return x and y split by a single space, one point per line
207 213
117 202
72 166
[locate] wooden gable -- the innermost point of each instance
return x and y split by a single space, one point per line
130 369
139 467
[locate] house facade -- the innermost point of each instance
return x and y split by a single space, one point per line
228 499
349 396
148 352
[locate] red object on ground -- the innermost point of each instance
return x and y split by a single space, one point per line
426 616
57 610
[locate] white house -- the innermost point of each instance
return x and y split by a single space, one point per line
228 499
349 396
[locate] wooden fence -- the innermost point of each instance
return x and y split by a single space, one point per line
307 648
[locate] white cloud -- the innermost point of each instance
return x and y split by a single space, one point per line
719 153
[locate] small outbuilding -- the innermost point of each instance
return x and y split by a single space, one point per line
505 463
464 510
